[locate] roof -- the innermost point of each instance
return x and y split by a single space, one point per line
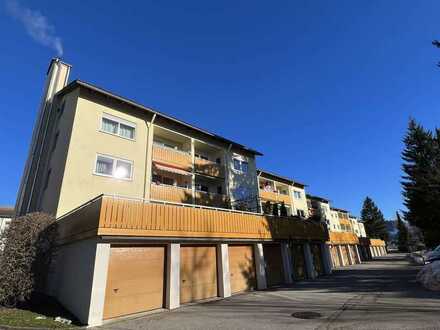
280 178
7 211
78 83
339 210
317 198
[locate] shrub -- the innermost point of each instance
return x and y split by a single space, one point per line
26 257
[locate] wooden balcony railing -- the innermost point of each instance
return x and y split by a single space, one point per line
343 238
274 197
106 215
210 199
173 157
208 167
171 193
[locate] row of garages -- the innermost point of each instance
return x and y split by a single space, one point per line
129 279
350 254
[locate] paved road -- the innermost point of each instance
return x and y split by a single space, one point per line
380 294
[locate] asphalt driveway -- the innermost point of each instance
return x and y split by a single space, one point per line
380 294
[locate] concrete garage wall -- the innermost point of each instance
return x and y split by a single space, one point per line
74 269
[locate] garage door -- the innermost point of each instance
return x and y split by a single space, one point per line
242 268
299 265
335 256
317 258
198 273
274 264
135 280
345 255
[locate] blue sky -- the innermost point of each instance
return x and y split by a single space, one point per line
324 89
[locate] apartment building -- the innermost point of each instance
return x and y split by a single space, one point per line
154 212
282 192
6 215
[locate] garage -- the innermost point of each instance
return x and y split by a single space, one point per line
317 258
344 249
335 256
299 264
242 268
198 273
135 280
274 264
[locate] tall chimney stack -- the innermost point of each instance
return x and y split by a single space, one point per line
56 79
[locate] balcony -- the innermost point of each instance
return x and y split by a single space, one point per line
210 199
171 193
173 157
208 167
274 197
110 215
343 238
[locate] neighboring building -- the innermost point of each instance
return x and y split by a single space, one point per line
276 189
320 208
6 215
154 212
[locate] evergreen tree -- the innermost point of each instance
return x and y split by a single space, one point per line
283 210
421 181
275 209
373 220
402 234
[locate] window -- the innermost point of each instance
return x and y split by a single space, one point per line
118 126
244 167
113 167
240 165
168 181
201 187
297 194
201 156
300 213
218 160
219 190
237 165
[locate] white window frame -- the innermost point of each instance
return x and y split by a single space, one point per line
241 161
297 194
119 121
115 160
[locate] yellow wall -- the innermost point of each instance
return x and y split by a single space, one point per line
80 184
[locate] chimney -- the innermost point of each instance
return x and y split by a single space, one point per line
56 79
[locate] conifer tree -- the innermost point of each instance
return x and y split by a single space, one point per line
421 181
402 234
373 220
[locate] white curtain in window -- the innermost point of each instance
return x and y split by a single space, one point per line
104 165
109 126
126 131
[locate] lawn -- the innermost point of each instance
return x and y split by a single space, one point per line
41 307
23 318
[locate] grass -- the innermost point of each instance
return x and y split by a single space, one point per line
40 306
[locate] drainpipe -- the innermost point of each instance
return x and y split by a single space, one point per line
228 190
259 202
148 158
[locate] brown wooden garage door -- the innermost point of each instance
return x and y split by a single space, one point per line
299 262
241 268
344 250
317 258
274 264
135 280
198 273
335 256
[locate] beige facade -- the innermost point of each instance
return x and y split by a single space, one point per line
91 134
